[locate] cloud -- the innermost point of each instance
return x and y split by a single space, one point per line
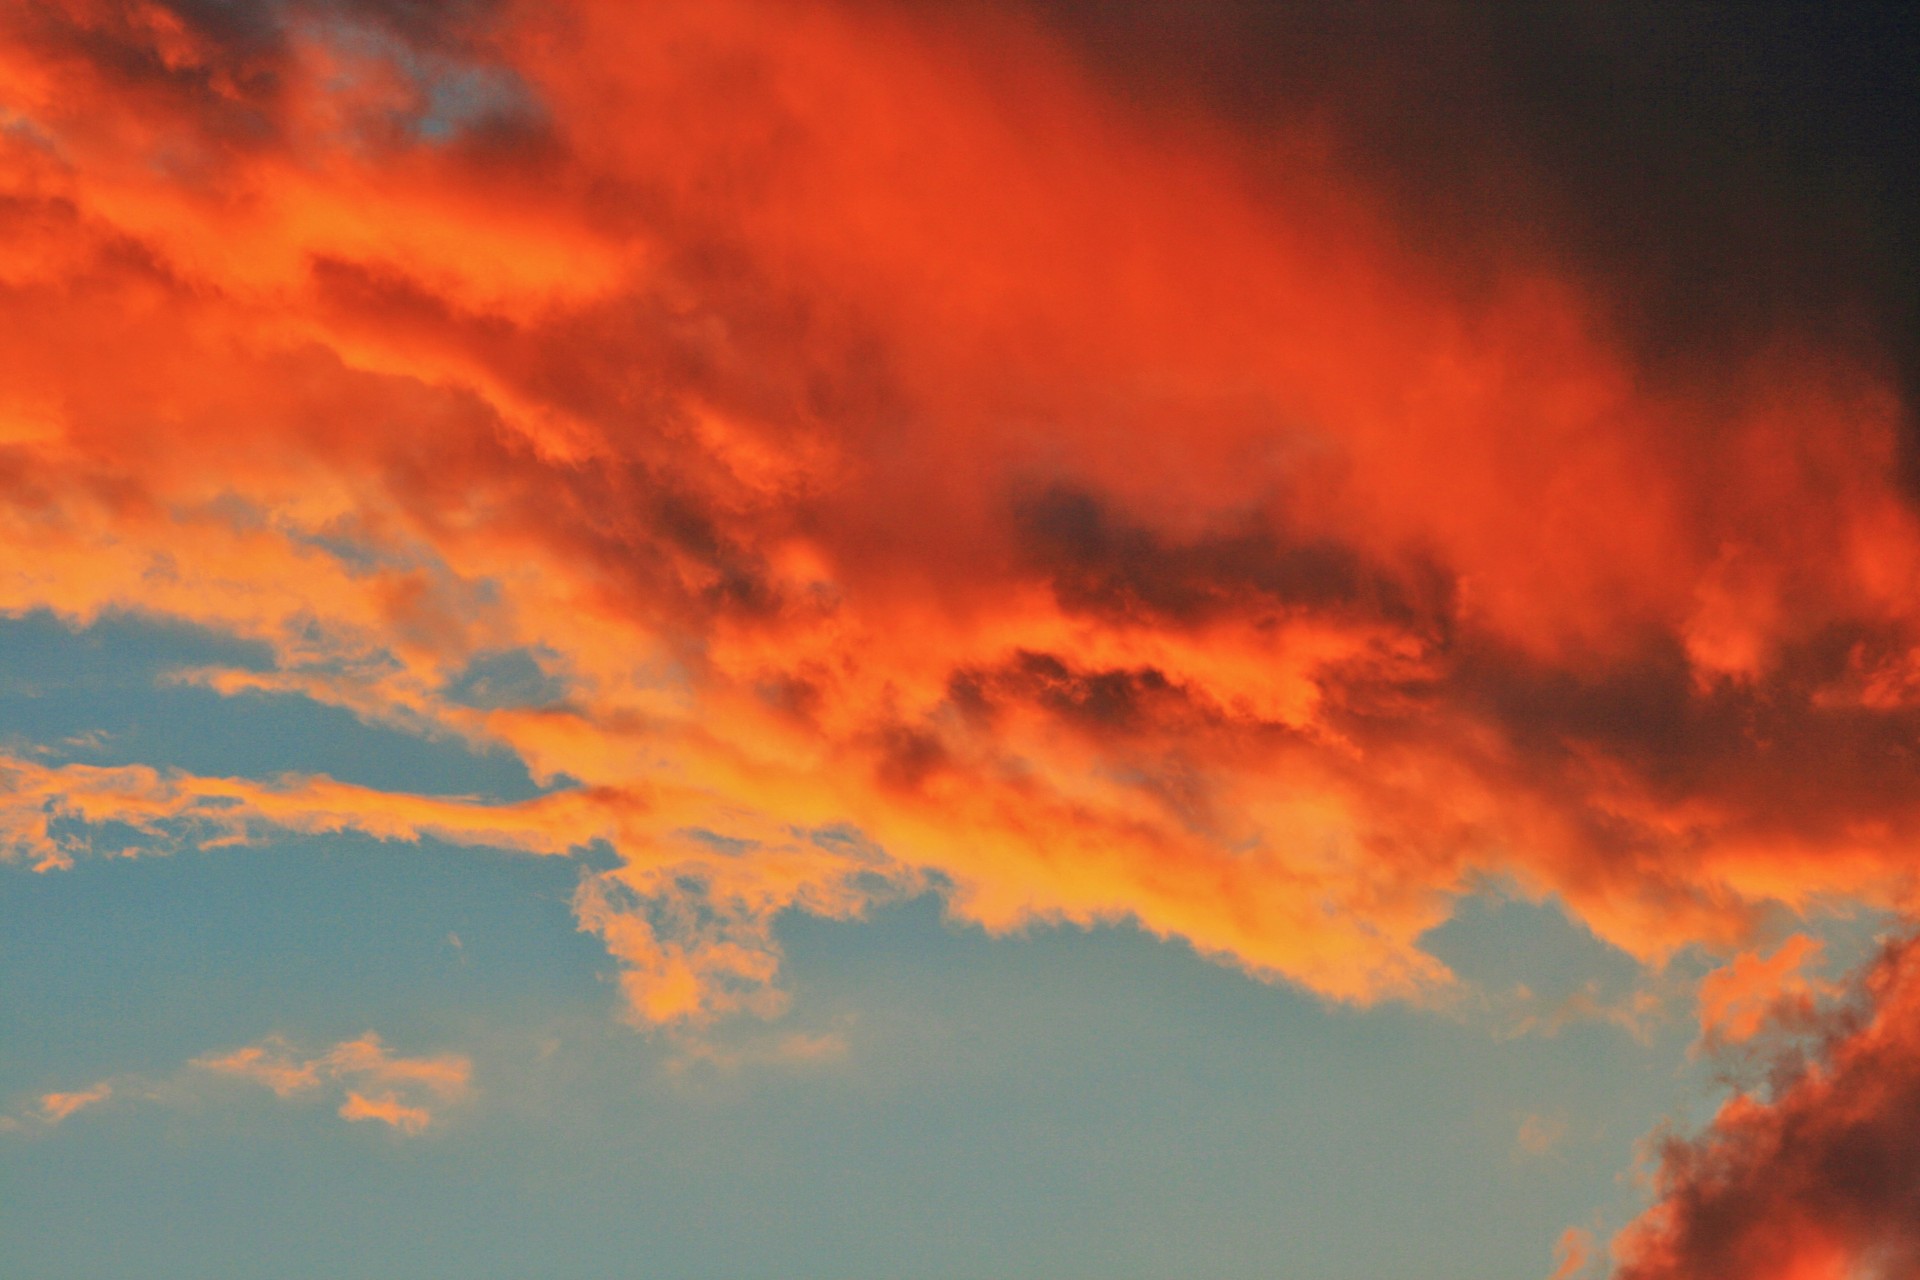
270 1064
1813 1176
50 814
1717 173
1539 1136
399 1091
374 1083
367 1059
1572 1253
883 424
56 1107
388 1110
1740 999
1636 1012
731 1054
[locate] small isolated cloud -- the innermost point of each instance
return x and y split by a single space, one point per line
799 1047
369 1079
387 1109
55 1107
446 1076
1539 1136
379 1085
268 1063
1572 1253
737 1051
1635 1012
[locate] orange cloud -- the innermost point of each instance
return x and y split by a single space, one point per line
792 1050
407 1093
1538 1136
909 464
399 1091
387 1110
55 1107
1574 1251
1817 1179
46 812
367 1059
1742 997
269 1064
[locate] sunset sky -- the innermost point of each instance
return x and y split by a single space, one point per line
959 638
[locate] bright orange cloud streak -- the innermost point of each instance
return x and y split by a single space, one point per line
909 464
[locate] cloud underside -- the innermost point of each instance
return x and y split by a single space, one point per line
880 453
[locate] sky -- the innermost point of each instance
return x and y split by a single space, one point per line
959 638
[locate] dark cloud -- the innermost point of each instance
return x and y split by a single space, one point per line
1729 175
1110 702
1815 1177
1101 562
1779 751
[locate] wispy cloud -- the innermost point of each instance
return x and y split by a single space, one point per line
1750 992
1539 1135
55 1107
1636 1011
368 1079
270 1063
1573 1254
398 1091
387 1109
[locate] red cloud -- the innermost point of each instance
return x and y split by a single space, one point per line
1816 1181
876 427
1742 997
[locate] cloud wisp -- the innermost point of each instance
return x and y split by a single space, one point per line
56 1107
396 1091
366 1079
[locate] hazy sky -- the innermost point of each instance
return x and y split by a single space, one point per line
705 638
